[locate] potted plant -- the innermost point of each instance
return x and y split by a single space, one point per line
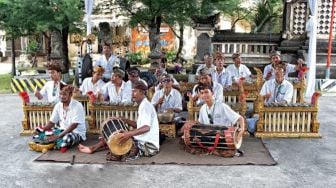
134 58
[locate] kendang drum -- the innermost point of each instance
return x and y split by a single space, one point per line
212 139
111 134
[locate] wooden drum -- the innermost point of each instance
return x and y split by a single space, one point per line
111 134
213 139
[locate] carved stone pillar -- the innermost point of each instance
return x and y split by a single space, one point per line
295 18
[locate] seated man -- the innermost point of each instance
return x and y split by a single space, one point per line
117 91
277 90
70 115
94 83
133 76
208 63
217 113
238 70
159 73
52 88
167 99
221 75
276 60
205 79
146 128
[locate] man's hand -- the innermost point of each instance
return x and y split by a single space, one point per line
38 94
170 110
124 136
160 101
268 96
269 74
52 138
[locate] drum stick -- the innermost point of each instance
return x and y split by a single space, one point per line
73 160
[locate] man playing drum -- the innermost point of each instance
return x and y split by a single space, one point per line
145 133
216 113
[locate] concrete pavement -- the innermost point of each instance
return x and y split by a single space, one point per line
301 162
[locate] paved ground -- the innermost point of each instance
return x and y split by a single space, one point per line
301 162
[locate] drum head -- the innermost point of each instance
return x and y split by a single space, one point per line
116 148
239 142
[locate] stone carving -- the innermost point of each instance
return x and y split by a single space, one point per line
56 45
105 33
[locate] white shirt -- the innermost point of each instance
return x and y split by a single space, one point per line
223 78
147 116
173 100
129 83
51 93
281 92
123 97
269 68
217 90
87 85
212 68
108 64
74 114
221 114
238 73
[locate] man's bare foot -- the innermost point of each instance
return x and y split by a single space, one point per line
86 149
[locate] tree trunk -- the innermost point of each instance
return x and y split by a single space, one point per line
262 24
48 44
13 57
154 34
179 50
65 49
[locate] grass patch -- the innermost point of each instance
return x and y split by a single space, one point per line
5 81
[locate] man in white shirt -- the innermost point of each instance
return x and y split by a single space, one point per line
117 91
70 115
277 90
107 60
133 76
221 75
205 79
145 131
94 83
216 113
238 70
167 99
159 73
52 88
208 63
276 60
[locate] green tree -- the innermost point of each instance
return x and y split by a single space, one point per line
25 17
267 12
151 13
15 23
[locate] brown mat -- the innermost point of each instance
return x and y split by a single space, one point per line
171 152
